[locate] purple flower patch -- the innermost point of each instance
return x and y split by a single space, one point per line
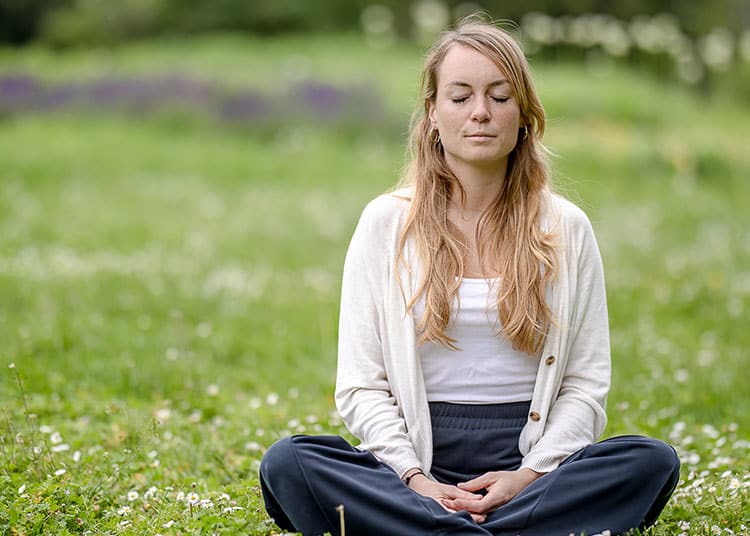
22 93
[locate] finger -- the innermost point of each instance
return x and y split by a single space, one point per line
478 518
482 506
477 483
471 506
453 492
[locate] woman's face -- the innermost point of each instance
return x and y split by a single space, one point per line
474 110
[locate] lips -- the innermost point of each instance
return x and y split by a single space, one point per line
480 135
480 138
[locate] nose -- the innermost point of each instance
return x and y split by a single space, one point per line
480 112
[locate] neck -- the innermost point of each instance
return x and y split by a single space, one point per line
481 185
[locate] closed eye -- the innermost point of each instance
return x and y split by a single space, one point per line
459 100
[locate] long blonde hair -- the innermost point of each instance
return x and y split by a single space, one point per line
509 231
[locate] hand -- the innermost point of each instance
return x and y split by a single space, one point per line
501 487
444 492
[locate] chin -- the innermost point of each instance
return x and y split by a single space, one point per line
484 158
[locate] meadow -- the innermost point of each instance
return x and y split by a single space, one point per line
169 280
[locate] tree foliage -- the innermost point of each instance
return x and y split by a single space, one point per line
70 22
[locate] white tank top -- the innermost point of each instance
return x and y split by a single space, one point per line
486 369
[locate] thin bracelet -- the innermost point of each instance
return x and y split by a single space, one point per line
415 473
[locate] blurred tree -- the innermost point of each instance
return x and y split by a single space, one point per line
695 17
68 22
88 21
21 20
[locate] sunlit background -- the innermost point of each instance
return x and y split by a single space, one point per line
179 180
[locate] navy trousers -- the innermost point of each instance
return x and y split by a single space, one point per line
617 485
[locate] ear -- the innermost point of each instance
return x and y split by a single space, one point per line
431 111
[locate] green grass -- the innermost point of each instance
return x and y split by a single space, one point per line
169 287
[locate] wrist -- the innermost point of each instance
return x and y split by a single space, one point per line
530 474
412 474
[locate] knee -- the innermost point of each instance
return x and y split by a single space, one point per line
659 458
278 460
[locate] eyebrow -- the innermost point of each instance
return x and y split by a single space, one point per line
466 84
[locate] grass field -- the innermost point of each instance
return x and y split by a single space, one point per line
169 284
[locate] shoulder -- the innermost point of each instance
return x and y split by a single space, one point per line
564 210
386 210
561 211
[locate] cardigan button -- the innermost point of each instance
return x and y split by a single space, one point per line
534 416
549 360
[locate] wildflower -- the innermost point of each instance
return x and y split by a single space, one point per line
55 438
206 503
153 454
60 448
132 495
230 509
22 489
151 492
681 376
710 431
168 524
60 472
272 399
46 429
180 496
123 510
192 498
163 414
203 330
77 456
212 390
124 523
12 366
252 445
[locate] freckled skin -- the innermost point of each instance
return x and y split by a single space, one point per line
479 112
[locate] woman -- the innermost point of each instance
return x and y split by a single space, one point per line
474 360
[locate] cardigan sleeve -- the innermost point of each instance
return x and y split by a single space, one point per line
363 393
577 416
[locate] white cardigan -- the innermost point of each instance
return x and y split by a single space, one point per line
380 390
